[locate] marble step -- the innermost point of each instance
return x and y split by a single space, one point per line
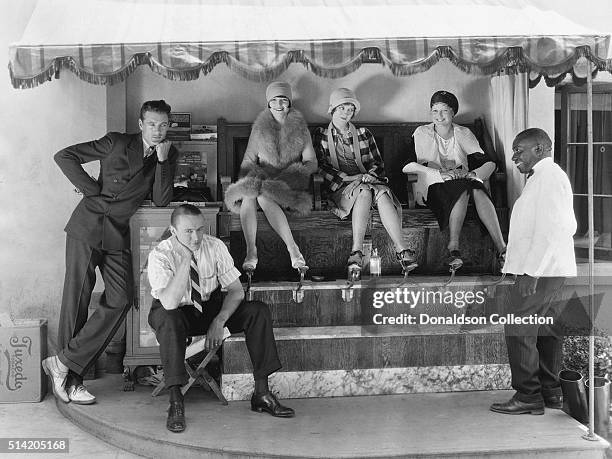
370 360
333 303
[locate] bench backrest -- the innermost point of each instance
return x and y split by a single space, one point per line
393 141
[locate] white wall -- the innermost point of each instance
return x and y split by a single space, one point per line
383 97
35 197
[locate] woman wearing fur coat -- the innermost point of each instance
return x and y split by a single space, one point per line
274 174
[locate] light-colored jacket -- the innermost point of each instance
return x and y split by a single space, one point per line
427 153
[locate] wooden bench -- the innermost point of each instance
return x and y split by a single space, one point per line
325 240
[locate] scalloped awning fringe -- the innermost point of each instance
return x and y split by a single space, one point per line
262 61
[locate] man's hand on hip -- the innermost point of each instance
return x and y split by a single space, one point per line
527 285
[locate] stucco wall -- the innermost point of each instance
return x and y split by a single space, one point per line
35 197
383 97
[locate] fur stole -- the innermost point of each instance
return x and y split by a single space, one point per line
272 164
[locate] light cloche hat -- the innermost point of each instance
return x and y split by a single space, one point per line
343 96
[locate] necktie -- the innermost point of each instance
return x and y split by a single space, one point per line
196 292
150 151
530 173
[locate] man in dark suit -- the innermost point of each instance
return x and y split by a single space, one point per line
97 234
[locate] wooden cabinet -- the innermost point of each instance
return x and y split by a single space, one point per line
149 226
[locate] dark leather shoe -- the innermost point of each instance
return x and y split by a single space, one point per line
514 406
267 402
176 417
554 401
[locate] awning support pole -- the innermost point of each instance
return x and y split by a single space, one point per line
591 433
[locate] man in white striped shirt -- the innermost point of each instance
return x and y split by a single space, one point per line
186 273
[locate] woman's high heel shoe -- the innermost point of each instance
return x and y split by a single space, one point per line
354 265
454 262
297 261
407 259
250 264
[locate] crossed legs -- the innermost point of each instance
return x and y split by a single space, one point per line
81 338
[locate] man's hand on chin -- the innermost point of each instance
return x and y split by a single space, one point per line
214 335
162 150
181 249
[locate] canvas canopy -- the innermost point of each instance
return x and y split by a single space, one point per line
103 41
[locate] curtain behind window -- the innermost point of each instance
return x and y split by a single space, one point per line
602 163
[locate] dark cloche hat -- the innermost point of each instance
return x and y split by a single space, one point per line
447 98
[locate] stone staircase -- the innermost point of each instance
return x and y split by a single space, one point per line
331 343
334 344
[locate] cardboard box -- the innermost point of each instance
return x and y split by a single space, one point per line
23 346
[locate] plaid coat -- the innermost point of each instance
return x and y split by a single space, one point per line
370 156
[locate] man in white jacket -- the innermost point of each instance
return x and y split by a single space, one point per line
541 253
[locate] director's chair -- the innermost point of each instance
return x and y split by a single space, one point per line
199 374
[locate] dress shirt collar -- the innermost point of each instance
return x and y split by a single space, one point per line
145 148
540 164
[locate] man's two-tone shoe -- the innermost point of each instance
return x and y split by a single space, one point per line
267 402
78 394
57 372
514 406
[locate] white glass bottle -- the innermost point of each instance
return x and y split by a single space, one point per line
375 268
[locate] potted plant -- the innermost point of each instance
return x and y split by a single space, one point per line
575 373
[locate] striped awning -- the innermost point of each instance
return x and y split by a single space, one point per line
100 56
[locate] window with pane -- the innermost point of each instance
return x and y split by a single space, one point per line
571 154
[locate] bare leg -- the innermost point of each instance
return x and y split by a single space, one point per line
278 221
455 221
486 211
391 221
248 220
360 215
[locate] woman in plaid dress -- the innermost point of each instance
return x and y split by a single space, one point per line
353 169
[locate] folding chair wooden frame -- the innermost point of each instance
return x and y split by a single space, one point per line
199 374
